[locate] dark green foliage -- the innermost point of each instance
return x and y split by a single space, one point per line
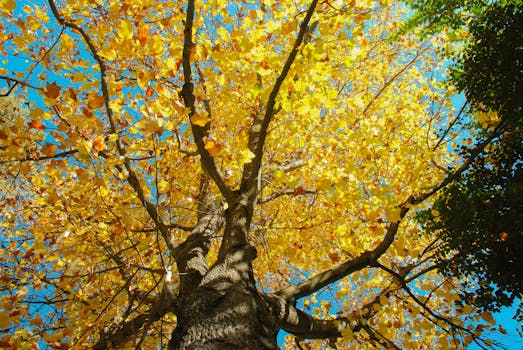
490 71
480 216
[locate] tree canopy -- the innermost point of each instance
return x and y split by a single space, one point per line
481 216
202 174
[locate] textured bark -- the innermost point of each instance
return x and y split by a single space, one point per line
234 319
226 311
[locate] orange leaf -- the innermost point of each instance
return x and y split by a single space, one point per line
52 90
149 92
334 257
37 124
49 149
72 93
5 320
95 101
213 147
98 143
143 34
298 191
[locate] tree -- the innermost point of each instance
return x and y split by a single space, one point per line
200 175
481 215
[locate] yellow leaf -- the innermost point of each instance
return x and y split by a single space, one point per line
113 137
154 126
245 156
278 175
213 147
347 333
104 192
5 319
84 147
95 101
393 214
125 30
341 229
200 119
9 5
108 53
222 33
98 143
163 186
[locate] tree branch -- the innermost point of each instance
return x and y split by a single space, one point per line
413 200
132 178
169 226
17 81
401 280
391 80
241 209
130 328
31 70
325 278
289 192
189 99
368 258
33 159
191 254
260 125
305 326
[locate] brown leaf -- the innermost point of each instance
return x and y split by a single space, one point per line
52 90
95 101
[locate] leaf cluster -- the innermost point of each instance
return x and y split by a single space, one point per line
480 216
490 70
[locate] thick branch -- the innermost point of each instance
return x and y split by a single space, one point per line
130 328
366 259
242 208
305 326
189 99
325 278
191 254
259 128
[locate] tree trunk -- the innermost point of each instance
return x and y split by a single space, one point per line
224 310
233 318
